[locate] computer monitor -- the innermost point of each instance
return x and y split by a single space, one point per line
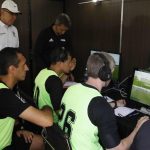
116 57
115 76
140 89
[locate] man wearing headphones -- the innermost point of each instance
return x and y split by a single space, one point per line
86 117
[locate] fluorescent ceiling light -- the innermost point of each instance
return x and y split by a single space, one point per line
90 1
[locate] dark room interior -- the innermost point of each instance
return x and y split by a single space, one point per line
106 26
120 28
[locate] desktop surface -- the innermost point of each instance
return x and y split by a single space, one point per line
127 124
138 99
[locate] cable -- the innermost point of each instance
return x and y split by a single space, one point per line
122 91
117 87
124 80
107 90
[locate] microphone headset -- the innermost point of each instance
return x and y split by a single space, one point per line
104 73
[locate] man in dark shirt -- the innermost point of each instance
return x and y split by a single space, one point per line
86 116
56 35
13 69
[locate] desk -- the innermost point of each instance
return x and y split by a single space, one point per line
127 124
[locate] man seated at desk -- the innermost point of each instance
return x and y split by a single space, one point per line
86 116
118 101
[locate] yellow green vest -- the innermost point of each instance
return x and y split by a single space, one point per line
75 121
6 128
40 94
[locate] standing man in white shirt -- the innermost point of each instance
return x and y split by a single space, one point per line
8 32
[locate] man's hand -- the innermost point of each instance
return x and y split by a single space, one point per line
27 135
141 121
121 103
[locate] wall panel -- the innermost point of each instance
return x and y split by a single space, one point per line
136 36
94 26
98 26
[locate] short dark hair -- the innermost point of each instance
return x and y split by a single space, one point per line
63 19
8 57
94 63
58 55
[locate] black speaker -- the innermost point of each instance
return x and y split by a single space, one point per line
105 73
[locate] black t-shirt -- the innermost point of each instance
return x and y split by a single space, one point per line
102 115
24 123
47 41
54 87
11 104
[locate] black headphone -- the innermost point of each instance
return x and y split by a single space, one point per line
104 73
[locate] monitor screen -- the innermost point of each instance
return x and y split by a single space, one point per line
116 57
140 90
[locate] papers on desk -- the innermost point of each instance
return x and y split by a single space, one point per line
69 83
123 111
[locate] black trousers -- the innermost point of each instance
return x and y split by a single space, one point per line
18 143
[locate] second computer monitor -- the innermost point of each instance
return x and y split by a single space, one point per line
140 90
116 57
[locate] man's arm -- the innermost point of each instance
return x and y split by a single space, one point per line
118 103
17 38
13 106
55 89
42 118
102 116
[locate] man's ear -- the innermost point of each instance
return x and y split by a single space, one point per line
59 63
11 69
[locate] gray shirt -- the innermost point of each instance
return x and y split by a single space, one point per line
8 36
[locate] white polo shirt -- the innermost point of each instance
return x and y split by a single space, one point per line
8 36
